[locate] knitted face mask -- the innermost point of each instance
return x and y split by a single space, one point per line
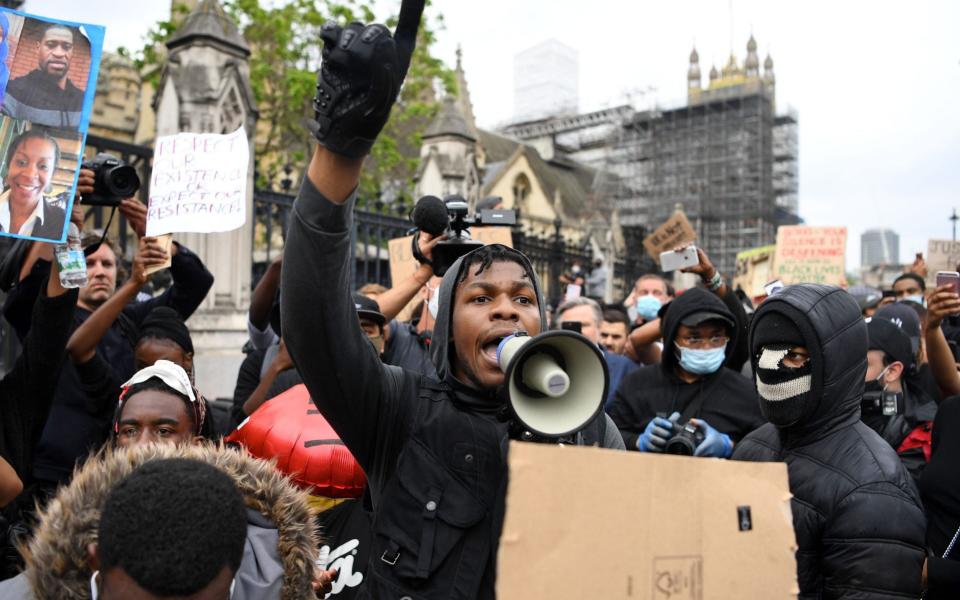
784 391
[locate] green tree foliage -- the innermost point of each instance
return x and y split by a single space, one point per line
284 39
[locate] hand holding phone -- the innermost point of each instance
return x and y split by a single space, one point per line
951 278
672 260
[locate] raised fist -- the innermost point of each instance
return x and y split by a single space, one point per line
360 76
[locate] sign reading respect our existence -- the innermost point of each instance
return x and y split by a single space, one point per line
675 231
811 255
199 183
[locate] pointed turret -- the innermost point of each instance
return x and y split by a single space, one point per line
751 65
208 22
693 73
463 95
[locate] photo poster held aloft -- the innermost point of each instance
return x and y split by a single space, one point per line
199 183
48 78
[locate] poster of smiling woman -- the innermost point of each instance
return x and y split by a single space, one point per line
48 74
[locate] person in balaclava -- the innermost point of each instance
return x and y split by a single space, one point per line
433 449
691 382
856 513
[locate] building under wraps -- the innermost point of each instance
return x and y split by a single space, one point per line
727 158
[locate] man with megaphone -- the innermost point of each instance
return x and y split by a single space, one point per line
433 449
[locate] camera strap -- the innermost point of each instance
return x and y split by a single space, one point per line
415 244
94 247
693 409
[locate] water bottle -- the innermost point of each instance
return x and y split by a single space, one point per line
71 261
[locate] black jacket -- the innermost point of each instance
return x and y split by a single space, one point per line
856 513
27 391
435 459
87 394
727 400
940 489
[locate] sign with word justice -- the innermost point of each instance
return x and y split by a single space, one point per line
811 255
199 183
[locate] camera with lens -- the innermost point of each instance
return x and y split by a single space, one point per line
457 224
881 402
113 181
685 439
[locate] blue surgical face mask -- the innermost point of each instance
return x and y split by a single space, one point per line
648 306
702 362
919 299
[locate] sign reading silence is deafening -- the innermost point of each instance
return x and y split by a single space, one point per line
199 183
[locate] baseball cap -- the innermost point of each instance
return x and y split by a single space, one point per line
886 336
903 317
368 308
694 319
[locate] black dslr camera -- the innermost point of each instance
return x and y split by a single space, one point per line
113 181
685 439
458 223
881 402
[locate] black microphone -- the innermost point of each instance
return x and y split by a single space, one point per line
430 215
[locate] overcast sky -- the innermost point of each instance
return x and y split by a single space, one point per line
876 83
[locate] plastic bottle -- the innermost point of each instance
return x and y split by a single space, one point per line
70 259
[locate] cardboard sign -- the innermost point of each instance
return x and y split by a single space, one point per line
199 183
675 231
48 78
942 255
811 255
595 523
754 270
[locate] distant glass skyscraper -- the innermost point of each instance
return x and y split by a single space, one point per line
545 81
879 246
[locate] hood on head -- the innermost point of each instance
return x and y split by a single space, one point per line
56 555
440 344
832 318
692 301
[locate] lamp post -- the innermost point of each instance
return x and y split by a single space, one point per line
954 219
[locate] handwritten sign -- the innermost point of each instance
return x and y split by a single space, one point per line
942 255
754 270
811 255
675 231
403 264
199 183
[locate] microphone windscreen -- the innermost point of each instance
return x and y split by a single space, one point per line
430 215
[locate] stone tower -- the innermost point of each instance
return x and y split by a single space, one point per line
205 88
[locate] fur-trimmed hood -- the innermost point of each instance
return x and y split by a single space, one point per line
56 556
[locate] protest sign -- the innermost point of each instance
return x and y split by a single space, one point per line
632 525
199 183
942 255
811 255
403 264
48 75
675 231
754 270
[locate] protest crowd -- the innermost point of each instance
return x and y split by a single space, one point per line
119 479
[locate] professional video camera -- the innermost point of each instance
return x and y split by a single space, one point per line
450 216
114 180
881 402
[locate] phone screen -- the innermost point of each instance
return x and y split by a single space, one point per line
949 278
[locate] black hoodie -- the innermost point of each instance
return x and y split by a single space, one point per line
433 449
729 401
856 513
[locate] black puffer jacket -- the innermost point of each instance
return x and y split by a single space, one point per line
857 515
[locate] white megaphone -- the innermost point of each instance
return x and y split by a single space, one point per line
557 381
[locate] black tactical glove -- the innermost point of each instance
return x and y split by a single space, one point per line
360 77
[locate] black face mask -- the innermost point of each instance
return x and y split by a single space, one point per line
784 391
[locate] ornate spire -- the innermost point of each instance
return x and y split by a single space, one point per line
768 70
463 95
693 73
208 21
751 65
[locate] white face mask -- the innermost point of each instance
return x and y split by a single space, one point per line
434 304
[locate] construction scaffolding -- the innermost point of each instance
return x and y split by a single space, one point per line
726 158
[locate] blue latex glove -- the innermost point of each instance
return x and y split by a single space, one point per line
658 431
714 443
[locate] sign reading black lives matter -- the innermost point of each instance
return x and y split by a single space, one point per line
199 183
48 75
